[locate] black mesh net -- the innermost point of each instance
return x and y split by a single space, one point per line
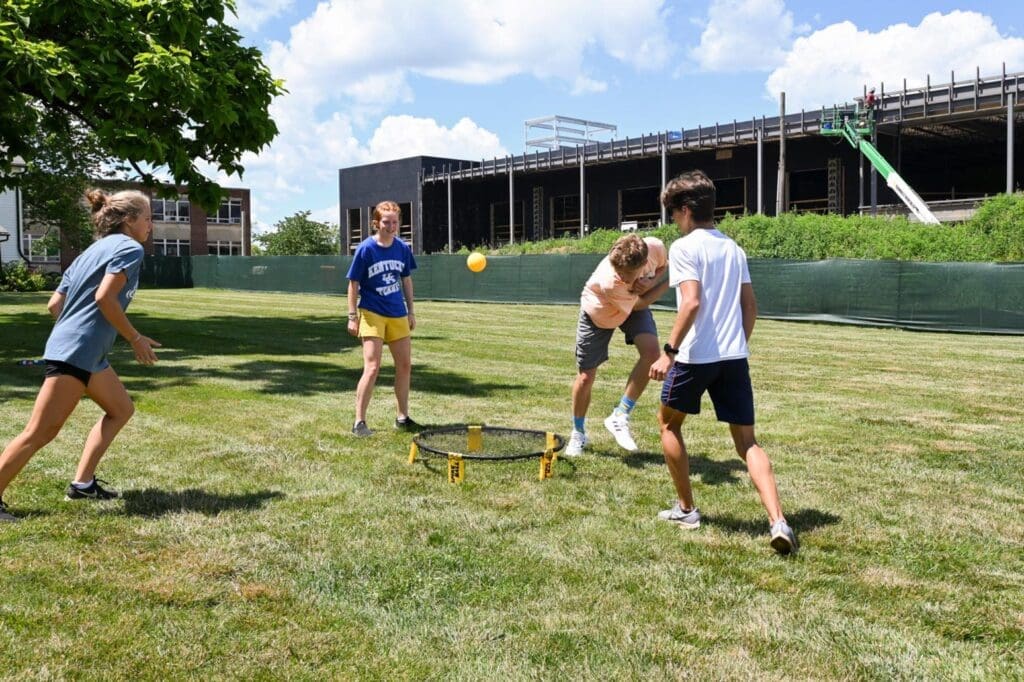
487 442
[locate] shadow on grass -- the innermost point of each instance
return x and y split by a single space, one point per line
153 502
708 471
802 521
189 341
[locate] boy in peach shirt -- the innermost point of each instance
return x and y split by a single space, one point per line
618 294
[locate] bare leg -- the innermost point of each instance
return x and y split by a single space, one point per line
107 391
581 391
401 352
56 401
671 424
647 347
760 468
372 348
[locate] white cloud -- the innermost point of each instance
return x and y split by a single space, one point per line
401 136
833 64
252 14
745 35
586 86
327 215
466 40
351 61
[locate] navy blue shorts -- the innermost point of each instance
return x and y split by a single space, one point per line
727 382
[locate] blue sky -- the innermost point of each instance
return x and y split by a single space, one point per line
371 80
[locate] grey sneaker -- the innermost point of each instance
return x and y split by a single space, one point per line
617 424
783 538
577 441
689 520
362 430
6 516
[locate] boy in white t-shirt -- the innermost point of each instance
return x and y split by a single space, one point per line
707 350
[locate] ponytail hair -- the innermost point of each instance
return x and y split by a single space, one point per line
110 212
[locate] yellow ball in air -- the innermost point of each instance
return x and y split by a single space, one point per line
476 262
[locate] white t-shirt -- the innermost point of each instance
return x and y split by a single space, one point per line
720 265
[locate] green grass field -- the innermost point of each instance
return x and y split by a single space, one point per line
258 539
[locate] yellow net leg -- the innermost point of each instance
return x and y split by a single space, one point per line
475 439
547 462
550 444
413 451
456 468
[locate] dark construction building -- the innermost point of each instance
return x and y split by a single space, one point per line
953 143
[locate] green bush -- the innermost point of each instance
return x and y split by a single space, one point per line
17 276
994 234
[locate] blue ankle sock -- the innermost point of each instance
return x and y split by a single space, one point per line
625 405
578 424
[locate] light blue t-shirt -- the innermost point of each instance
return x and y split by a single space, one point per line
82 337
379 271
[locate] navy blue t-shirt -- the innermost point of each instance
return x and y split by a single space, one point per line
82 337
379 272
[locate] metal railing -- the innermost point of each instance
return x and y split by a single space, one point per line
929 102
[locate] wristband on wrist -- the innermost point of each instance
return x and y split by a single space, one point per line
137 337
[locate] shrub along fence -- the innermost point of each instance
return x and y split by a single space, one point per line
963 297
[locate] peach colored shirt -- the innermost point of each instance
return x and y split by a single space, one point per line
607 299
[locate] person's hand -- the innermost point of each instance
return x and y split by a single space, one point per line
353 326
143 347
412 321
660 368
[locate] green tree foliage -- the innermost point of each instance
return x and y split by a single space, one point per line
297 235
155 83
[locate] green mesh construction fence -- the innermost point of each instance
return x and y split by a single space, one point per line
968 297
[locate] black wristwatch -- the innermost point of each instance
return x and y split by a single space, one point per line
670 350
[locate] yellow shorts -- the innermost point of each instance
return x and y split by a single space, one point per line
387 328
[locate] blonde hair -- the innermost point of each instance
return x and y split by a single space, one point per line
111 211
385 207
628 253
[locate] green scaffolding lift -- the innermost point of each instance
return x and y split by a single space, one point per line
857 126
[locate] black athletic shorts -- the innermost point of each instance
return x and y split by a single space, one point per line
726 381
55 368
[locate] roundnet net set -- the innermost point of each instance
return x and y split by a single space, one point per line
460 443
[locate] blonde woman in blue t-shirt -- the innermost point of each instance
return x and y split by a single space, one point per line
89 308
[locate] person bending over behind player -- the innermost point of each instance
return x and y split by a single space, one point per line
618 294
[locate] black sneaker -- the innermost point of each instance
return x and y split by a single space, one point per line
6 516
407 424
362 430
94 492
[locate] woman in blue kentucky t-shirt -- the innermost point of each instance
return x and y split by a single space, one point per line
89 307
380 280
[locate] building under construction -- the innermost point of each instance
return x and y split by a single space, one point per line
954 143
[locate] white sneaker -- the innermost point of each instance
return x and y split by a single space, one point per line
618 424
577 441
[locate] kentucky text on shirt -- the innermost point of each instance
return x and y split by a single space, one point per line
385 265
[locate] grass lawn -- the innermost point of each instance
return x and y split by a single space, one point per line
258 539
